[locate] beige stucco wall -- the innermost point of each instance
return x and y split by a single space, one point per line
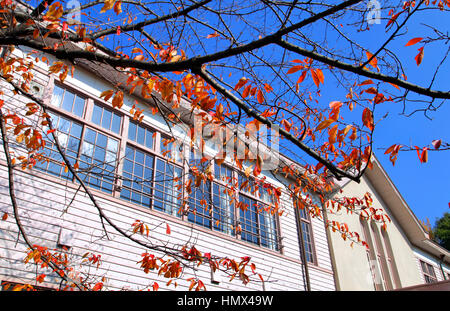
352 265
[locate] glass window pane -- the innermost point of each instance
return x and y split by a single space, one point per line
106 119
132 131
149 139
115 126
102 140
141 135
68 101
97 115
57 96
78 107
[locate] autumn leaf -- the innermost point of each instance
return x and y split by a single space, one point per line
287 125
413 41
373 61
242 81
98 286
317 76
54 12
436 143
5 216
294 69
107 94
320 75
108 5
419 56
393 18
118 7
40 278
260 96
367 119
117 101
213 35
168 231
324 124
302 77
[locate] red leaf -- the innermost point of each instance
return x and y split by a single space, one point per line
424 156
213 35
302 77
436 143
315 77
260 96
367 119
294 69
393 18
373 62
168 229
419 56
413 41
155 286
98 286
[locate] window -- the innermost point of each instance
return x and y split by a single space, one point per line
98 159
141 135
428 272
304 222
168 187
137 177
258 221
68 133
68 101
106 118
143 166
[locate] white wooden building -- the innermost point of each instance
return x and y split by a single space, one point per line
55 212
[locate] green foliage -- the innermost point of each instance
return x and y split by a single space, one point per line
441 231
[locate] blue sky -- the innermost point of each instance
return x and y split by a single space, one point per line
426 186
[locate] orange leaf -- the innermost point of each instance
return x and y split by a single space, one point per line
419 57
413 41
260 96
213 35
393 18
107 94
424 157
108 5
324 124
294 69
367 119
118 7
315 77
320 75
373 62
117 101
246 91
242 81
302 77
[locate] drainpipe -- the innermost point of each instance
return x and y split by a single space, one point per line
442 268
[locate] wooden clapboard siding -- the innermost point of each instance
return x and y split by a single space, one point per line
43 200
